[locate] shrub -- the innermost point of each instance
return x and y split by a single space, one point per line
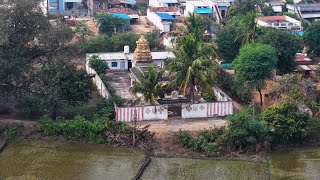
78 128
289 123
184 138
98 64
12 132
246 130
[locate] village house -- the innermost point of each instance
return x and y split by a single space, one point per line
306 11
279 22
163 3
200 8
163 18
305 65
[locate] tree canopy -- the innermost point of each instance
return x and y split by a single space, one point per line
312 37
254 64
109 24
286 44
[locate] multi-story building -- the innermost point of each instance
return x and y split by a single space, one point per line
279 22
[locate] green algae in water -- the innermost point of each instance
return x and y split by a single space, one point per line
180 168
53 160
298 163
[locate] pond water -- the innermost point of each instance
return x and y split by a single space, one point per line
180 168
41 160
56 160
298 163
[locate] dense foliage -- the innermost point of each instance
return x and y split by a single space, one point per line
116 42
286 44
53 88
150 85
228 44
98 64
254 64
109 24
312 37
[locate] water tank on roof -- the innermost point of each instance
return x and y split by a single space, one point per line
126 49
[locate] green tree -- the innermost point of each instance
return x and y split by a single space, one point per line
109 24
242 7
228 45
192 66
312 37
246 130
289 123
268 11
123 39
98 44
249 29
27 42
286 45
254 64
154 40
98 64
149 84
54 87
196 25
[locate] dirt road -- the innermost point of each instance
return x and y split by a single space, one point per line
163 129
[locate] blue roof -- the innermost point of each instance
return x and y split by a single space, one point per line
121 15
203 10
166 16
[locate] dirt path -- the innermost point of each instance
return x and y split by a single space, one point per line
164 129
121 82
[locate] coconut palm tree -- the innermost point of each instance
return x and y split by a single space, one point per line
196 25
249 30
192 66
150 84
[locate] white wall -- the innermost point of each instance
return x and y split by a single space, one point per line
194 111
157 21
189 8
109 62
156 3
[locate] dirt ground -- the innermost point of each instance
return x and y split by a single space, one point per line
120 81
141 26
166 128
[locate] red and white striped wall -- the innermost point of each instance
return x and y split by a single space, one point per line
219 109
127 114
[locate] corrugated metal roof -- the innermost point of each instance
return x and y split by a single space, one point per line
203 10
307 68
162 55
166 16
121 15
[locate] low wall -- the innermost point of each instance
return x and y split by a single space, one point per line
207 110
97 81
144 113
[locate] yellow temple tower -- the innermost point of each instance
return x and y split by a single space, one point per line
142 52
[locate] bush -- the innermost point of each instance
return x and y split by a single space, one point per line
246 130
87 111
78 128
289 123
12 132
98 64
206 141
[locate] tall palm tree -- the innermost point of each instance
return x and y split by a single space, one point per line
249 30
149 84
192 66
196 25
